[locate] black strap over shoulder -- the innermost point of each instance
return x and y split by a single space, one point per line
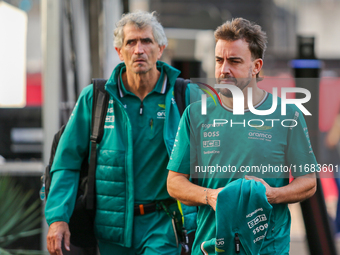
99 109
179 93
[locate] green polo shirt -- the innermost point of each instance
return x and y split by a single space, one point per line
242 142
150 156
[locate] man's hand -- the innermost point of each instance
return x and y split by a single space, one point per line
192 194
211 197
270 191
56 233
301 188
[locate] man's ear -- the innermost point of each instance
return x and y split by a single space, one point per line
161 49
258 63
119 51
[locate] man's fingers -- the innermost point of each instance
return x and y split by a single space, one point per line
51 245
56 233
67 240
57 244
248 177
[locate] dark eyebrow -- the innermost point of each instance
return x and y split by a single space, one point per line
235 58
130 41
147 39
231 58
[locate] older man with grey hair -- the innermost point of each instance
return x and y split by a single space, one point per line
134 212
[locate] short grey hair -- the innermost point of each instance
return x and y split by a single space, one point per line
140 19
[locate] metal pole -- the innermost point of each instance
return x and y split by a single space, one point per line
51 74
96 25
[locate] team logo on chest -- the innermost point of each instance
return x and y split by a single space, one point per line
110 118
258 135
161 113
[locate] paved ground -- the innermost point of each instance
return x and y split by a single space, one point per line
299 244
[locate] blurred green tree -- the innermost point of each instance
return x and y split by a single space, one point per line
17 220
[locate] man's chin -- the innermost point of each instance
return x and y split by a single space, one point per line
226 93
141 70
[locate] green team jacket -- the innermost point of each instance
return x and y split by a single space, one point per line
114 172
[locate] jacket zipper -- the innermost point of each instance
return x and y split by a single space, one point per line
141 108
237 243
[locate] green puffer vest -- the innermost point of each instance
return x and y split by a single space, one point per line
114 172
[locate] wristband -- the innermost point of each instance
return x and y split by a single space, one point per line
206 196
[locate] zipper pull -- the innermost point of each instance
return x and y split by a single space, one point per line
237 243
141 108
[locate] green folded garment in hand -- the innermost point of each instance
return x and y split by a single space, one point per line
242 219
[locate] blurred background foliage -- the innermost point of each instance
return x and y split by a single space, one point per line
19 219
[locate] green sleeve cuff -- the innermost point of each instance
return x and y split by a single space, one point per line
62 196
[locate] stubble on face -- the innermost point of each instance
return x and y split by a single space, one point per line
142 71
241 83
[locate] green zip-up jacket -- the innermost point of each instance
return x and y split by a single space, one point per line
114 171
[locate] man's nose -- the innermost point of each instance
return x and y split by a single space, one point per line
139 48
225 68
